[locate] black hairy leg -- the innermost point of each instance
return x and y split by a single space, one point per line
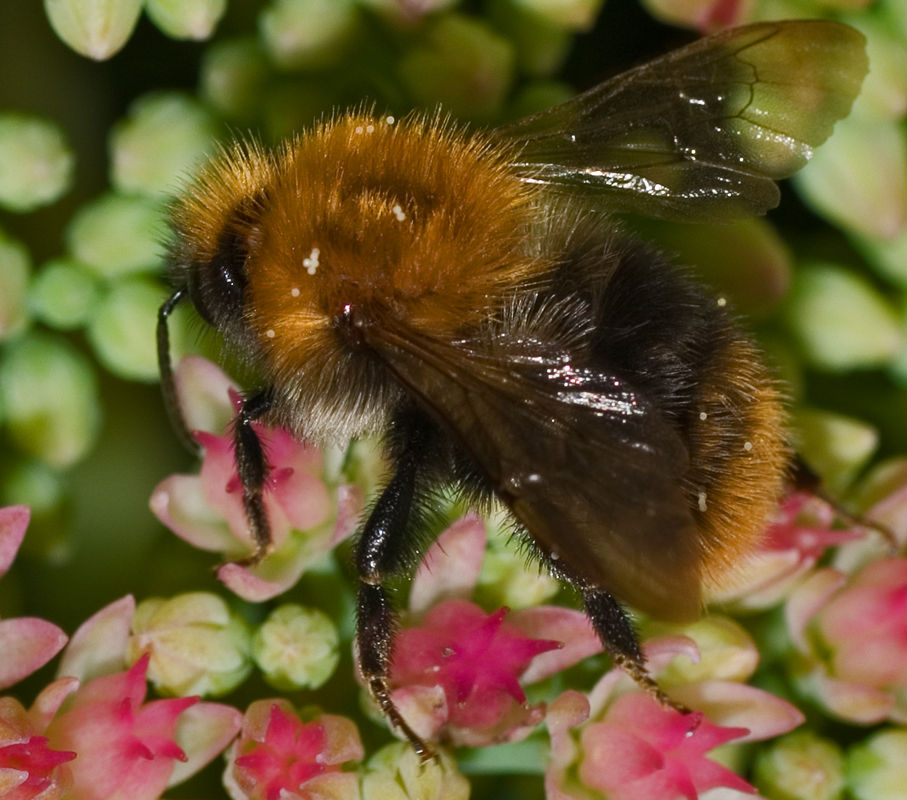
616 632
252 467
385 547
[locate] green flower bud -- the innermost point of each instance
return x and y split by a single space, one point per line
64 294
728 652
835 446
233 76
396 773
296 648
50 399
94 28
884 92
506 579
117 235
877 768
34 484
197 644
186 19
15 268
840 321
307 33
541 46
121 330
462 64
162 139
36 164
800 766
577 15
858 178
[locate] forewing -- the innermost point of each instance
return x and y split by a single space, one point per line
704 131
585 465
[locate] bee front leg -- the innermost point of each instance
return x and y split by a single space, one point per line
252 468
616 632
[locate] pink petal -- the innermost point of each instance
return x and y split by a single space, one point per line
738 705
877 661
350 502
424 708
342 737
450 568
98 647
854 702
179 502
13 522
48 702
613 757
27 644
203 390
254 589
566 625
886 572
806 601
304 499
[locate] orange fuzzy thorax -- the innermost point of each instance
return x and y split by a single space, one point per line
408 220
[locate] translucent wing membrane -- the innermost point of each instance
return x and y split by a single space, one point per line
705 131
539 428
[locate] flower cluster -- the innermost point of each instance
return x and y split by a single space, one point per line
795 675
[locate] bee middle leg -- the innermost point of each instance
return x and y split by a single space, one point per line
384 548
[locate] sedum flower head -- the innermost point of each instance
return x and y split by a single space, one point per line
458 671
278 756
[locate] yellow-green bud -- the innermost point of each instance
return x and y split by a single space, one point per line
396 773
36 164
119 330
116 235
197 644
15 269
94 28
158 144
877 768
186 19
296 647
801 766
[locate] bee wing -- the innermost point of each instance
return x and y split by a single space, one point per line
584 464
704 130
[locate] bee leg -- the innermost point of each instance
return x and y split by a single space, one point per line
381 551
252 467
805 479
614 628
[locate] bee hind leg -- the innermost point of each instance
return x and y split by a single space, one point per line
614 628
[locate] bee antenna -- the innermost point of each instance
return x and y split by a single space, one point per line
168 382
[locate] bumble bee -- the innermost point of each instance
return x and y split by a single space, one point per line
469 295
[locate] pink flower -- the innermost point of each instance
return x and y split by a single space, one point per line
26 643
308 516
852 635
132 750
29 769
623 743
279 757
706 16
458 671
797 538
